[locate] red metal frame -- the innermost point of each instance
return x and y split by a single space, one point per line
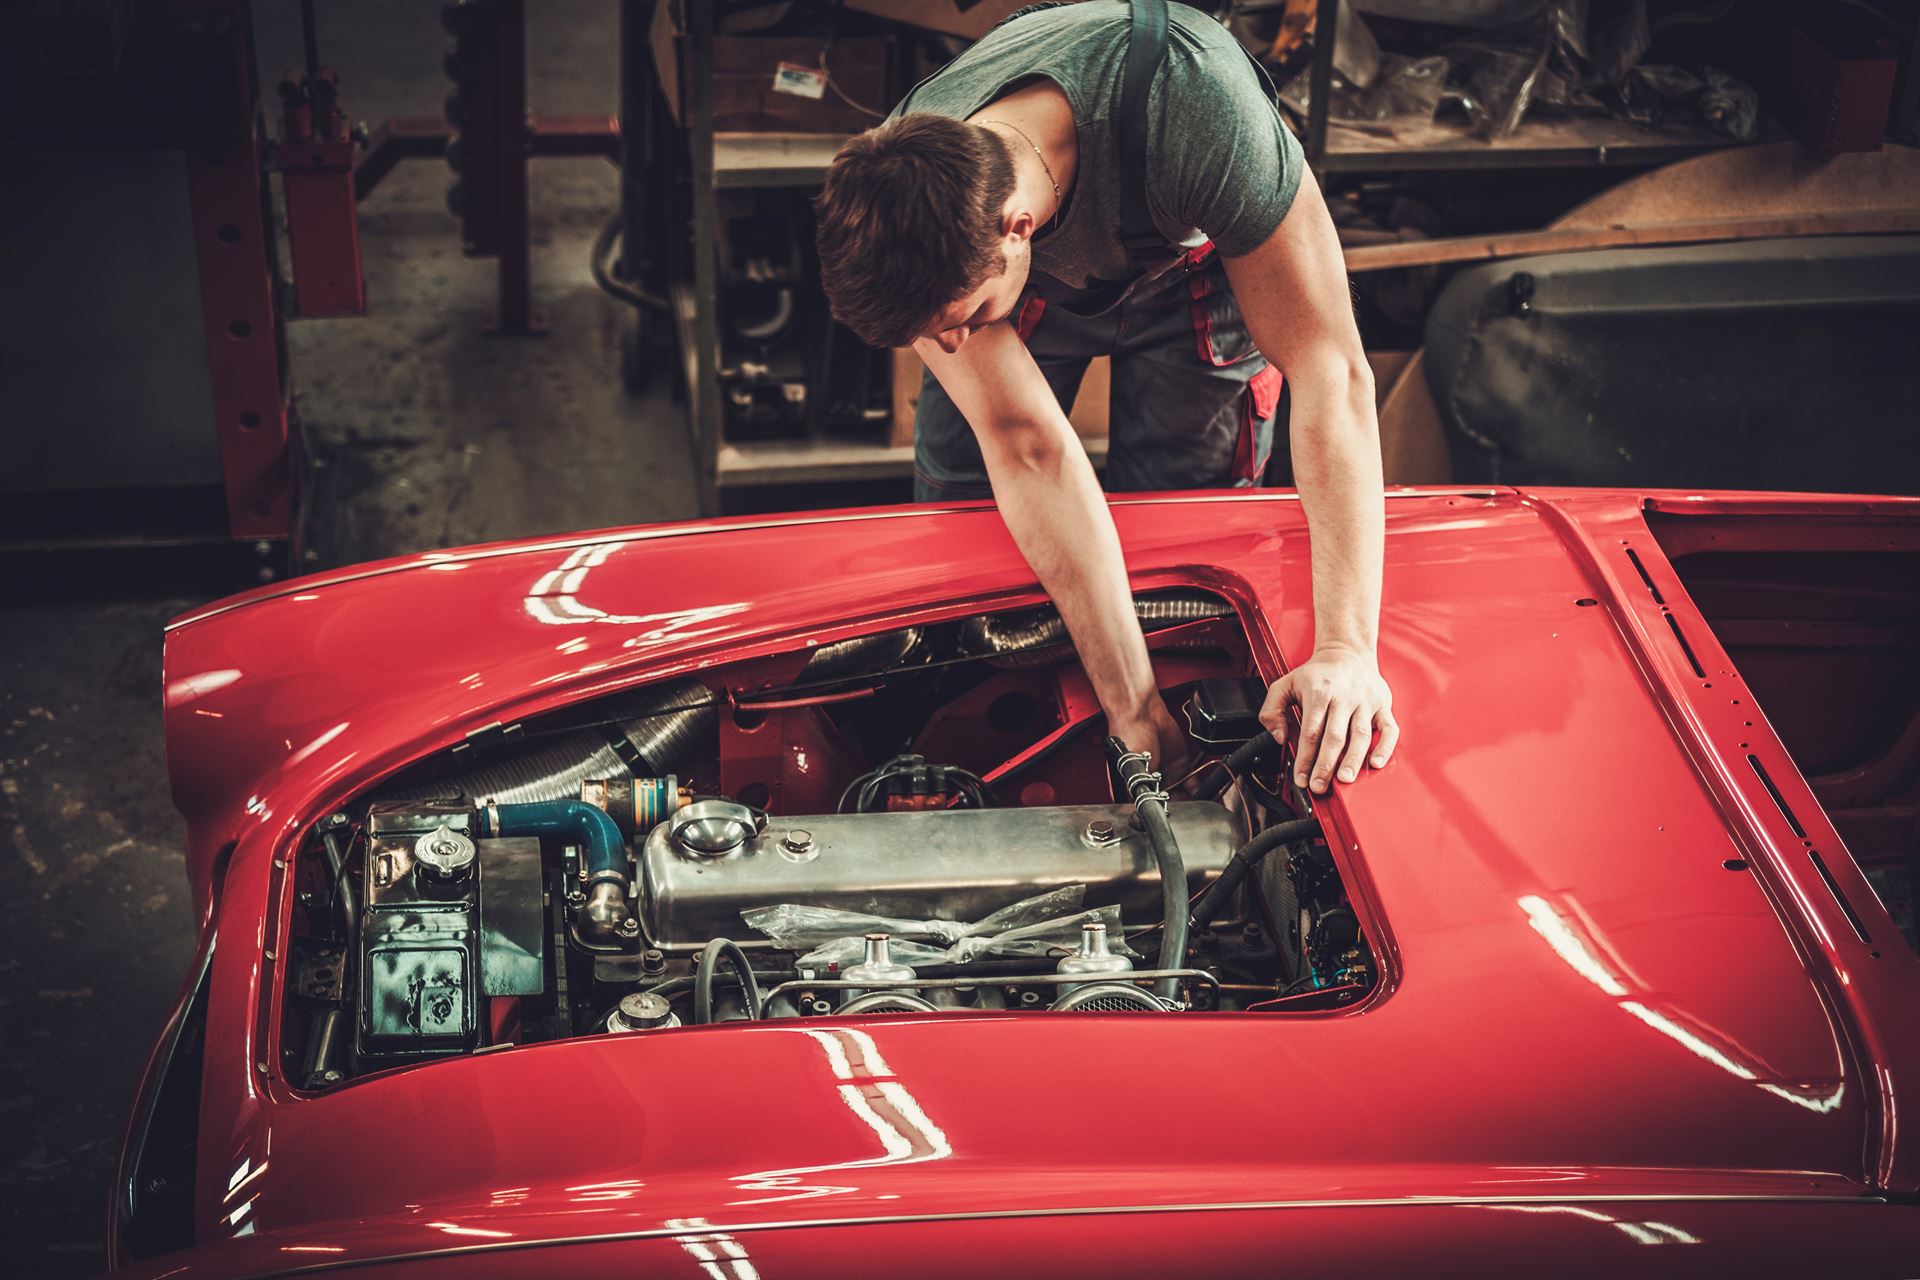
1620 1006
323 231
246 346
316 160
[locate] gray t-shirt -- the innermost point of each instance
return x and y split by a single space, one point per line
1220 163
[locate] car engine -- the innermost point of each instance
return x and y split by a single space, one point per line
930 820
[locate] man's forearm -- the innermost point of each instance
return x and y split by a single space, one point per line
1336 466
1053 507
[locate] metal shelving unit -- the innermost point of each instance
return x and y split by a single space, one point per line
1335 146
723 161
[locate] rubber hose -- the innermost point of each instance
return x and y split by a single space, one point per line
342 886
1166 855
590 825
1243 758
710 956
1242 863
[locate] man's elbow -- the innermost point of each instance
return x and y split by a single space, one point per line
1338 393
1025 447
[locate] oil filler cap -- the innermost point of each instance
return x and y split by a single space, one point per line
714 828
642 1011
444 854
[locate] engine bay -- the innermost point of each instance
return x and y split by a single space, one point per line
929 820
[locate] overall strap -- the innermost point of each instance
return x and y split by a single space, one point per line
1146 48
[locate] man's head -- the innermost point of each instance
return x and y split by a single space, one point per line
918 233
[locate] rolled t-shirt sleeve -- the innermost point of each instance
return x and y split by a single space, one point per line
1221 160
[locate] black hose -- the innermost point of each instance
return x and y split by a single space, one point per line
1243 758
1242 863
703 974
600 264
1150 803
342 886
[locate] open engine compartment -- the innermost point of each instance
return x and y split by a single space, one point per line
926 820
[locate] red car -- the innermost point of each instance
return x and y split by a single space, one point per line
761 898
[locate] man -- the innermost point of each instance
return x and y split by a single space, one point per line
1003 223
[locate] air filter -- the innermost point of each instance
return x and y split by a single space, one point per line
888 1002
1109 997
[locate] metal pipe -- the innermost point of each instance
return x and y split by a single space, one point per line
663 730
323 1037
1005 635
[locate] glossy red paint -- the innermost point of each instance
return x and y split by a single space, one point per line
1579 1001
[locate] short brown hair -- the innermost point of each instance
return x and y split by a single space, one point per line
910 220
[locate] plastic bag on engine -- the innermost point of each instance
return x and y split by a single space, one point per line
1045 938
1032 926
794 926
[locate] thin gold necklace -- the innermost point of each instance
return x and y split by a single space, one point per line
1045 167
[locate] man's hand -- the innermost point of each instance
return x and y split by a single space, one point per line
1340 702
1155 732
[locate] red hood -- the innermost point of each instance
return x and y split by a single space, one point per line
1578 993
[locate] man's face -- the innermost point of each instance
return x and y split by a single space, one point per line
991 303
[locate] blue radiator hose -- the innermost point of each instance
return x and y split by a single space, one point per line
586 824
602 919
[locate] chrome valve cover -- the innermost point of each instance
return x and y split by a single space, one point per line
959 864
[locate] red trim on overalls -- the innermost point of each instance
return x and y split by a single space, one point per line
1202 317
1029 318
1262 401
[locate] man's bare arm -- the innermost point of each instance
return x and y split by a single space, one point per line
1293 293
1053 507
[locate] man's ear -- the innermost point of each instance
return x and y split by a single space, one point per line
1018 224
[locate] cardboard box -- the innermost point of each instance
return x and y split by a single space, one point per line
746 68
1831 80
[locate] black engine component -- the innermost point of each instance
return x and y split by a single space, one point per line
1225 713
448 921
912 782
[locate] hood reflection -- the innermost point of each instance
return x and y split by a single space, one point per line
721 1256
1579 954
554 599
881 1103
1647 1233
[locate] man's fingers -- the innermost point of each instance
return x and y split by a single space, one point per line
1336 718
1313 725
1389 737
1359 738
1273 711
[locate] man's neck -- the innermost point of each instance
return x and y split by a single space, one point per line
1041 113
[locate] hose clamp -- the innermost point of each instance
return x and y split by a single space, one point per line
1143 797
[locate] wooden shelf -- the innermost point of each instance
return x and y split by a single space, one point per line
1580 141
773 159
763 462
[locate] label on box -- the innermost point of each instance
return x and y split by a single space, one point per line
802 82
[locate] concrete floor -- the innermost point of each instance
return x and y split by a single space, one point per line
432 434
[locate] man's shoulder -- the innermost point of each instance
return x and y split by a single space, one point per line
1058 39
